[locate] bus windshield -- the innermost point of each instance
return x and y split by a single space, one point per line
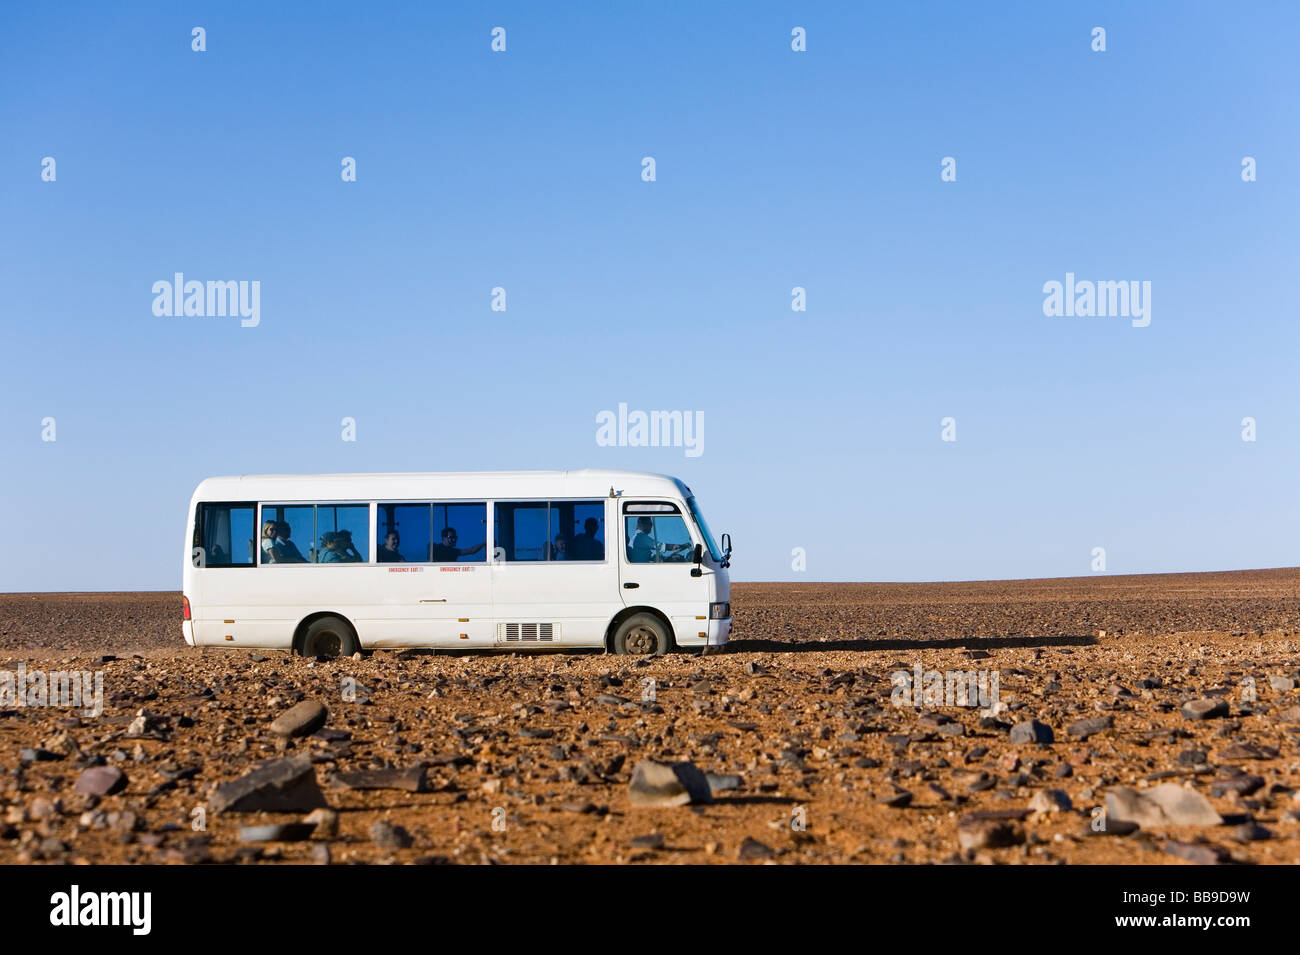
704 529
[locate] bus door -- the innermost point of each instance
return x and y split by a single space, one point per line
657 558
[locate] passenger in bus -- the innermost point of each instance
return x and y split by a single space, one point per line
343 544
560 549
282 549
268 542
447 551
337 547
585 545
388 550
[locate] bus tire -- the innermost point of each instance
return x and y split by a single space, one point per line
329 636
642 634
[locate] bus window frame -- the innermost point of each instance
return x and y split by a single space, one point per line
342 502
426 502
195 540
586 499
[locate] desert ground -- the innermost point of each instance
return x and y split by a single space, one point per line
1149 719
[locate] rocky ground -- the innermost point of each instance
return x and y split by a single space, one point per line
1138 720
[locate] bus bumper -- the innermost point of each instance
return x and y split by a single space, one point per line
187 631
719 636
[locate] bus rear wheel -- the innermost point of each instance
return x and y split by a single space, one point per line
329 637
642 635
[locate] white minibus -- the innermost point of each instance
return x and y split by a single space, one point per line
330 564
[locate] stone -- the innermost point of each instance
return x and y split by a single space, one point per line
752 850
717 783
895 799
389 836
1242 784
1105 826
35 754
411 779
1205 709
301 719
1242 751
1031 731
1200 854
100 781
1051 800
1168 804
1282 684
989 834
651 841
656 784
325 823
1250 832
1082 729
274 785
282 832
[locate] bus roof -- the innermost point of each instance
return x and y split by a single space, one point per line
462 485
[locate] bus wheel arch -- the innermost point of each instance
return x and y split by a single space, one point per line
626 615
326 633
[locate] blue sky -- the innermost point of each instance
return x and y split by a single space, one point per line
774 169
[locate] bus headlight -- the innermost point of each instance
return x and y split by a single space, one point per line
720 611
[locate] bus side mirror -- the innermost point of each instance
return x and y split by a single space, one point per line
696 571
726 550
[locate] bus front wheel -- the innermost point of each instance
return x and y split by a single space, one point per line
329 637
642 635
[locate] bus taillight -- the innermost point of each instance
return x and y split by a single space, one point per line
185 607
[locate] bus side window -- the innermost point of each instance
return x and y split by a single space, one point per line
224 536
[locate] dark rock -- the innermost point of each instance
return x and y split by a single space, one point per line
411 780
752 850
1242 784
1031 731
1205 709
1082 729
275 785
1251 832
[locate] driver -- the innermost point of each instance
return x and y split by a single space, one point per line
643 549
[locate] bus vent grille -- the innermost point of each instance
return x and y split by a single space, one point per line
528 632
